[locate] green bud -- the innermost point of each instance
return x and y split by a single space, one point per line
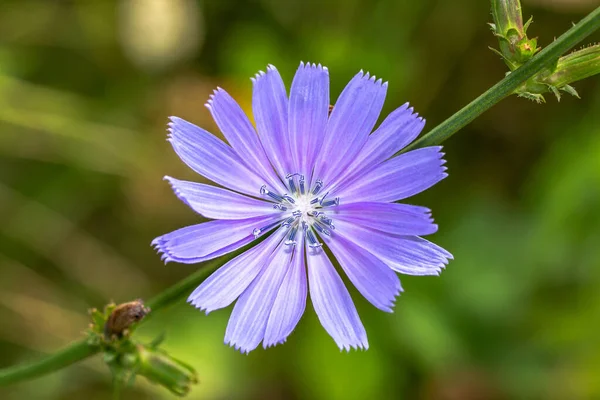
575 66
159 367
515 47
110 330
525 49
508 19
557 78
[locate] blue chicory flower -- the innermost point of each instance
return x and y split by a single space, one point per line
308 178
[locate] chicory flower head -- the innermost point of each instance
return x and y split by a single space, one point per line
309 179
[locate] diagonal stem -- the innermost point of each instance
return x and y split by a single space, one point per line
77 351
511 82
80 350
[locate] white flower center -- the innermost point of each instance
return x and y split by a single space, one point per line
303 210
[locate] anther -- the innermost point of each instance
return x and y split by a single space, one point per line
323 198
334 202
297 213
322 230
314 201
289 199
259 231
301 182
288 222
327 222
274 196
291 182
318 187
312 240
291 236
280 207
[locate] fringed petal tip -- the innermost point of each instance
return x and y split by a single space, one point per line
245 350
406 106
173 183
318 67
392 304
192 300
211 98
241 348
260 74
368 77
443 259
267 345
159 245
363 345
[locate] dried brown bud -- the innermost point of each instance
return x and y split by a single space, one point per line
123 316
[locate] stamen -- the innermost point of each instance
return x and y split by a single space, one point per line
314 201
259 231
297 213
327 222
280 206
322 230
288 222
291 182
301 182
291 236
334 202
312 240
274 196
323 198
289 199
318 187
314 214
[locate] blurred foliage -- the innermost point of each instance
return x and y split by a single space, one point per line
85 91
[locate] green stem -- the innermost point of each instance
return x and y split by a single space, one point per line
185 286
510 83
75 352
81 350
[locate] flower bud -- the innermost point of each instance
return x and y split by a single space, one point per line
159 367
557 77
508 19
576 66
515 47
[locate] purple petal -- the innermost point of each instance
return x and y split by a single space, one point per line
248 321
218 203
270 109
208 240
409 255
352 120
228 282
373 279
396 179
290 302
333 303
211 158
240 134
394 218
399 129
308 113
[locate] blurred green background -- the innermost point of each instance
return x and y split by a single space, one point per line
85 91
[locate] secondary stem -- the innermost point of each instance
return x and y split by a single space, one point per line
75 352
81 350
511 82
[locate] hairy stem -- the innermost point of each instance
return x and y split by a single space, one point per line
510 83
81 350
75 352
